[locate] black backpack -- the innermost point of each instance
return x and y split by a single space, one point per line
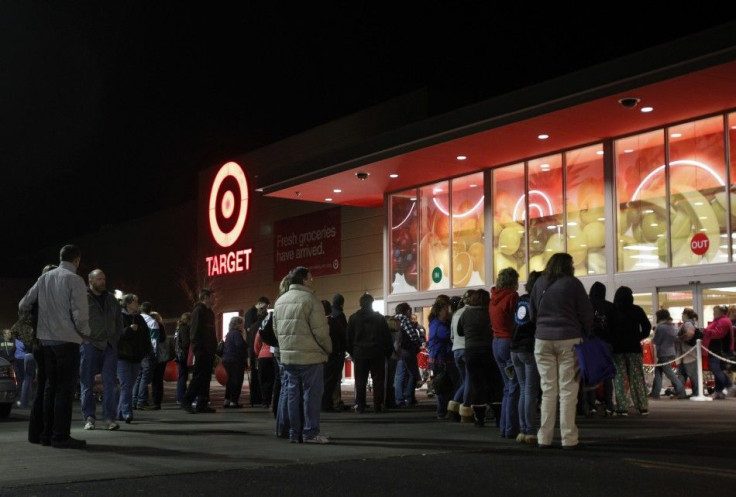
268 336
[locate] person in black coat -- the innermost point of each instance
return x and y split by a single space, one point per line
369 343
234 359
204 346
336 360
134 345
631 327
604 322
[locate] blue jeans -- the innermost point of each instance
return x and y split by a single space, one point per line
462 394
92 361
305 383
407 375
181 379
62 368
282 407
29 374
443 399
528 375
721 379
145 375
509 422
127 374
670 374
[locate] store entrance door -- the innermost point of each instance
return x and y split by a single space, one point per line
701 297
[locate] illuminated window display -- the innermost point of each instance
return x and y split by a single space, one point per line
509 214
585 202
690 194
468 249
404 225
731 199
546 210
434 229
641 203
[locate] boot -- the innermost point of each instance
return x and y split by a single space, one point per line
466 414
479 415
453 410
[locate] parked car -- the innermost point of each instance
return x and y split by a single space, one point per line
8 388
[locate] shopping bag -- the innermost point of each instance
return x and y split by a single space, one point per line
595 361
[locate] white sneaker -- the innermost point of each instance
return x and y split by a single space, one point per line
319 439
90 424
112 426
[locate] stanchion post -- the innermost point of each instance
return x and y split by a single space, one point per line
701 387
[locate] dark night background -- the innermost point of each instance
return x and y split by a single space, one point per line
108 110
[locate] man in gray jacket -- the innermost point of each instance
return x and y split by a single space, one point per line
300 324
100 355
63 325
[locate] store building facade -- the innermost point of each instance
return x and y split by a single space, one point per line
628 166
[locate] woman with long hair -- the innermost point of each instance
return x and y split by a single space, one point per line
562 312
234 359
440 351
632 326
475 326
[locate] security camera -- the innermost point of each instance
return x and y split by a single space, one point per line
629 102
362 176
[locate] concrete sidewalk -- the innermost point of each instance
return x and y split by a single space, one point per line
171 441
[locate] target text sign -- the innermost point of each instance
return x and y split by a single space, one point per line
227 213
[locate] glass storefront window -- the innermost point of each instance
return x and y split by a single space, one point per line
731 199
546 208
468 250
509 232
434 226
404 224
698 193
640 202
585 198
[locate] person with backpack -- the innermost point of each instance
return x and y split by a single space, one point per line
525 366
604 321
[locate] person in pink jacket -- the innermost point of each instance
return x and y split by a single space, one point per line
266 369
718 338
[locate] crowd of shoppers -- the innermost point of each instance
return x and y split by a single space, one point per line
505 357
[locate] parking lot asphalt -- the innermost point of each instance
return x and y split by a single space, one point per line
171 445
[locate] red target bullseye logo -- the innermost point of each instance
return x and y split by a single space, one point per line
228 204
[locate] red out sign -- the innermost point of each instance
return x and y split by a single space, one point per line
699 243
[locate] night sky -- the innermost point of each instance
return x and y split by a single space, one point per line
108 110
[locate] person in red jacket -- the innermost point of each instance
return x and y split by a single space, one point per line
504 297
718 338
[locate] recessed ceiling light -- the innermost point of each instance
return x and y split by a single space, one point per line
394 175
328 199
628 150
647 109
600 152
462 157
543 136
473 185
675 135
337 190
544 167
437 190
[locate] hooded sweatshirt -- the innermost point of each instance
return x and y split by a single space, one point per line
501 310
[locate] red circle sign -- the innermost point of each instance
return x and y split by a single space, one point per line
699 243
227 205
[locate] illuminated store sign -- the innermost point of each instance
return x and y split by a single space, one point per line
228 211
